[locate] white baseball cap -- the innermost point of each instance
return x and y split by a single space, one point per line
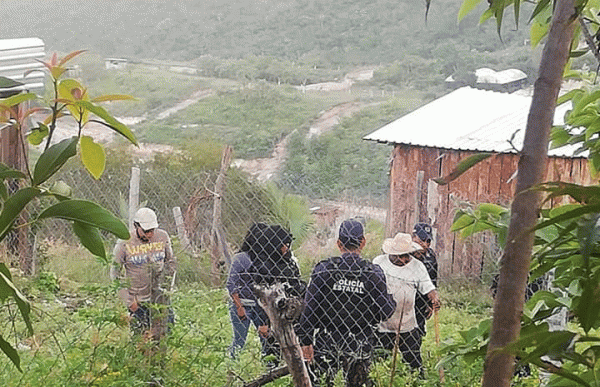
146 218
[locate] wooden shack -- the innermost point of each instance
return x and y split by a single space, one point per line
430 141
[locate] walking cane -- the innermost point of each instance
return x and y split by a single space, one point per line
436 324
396 342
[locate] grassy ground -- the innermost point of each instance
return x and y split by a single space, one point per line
82 339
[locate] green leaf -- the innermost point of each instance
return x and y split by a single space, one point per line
492 208
559 137
466 7
37 135
92 156
6 83
591 130
517 7
537 32
580 193
87 213
13 207
541 6
7 286
3 191
90 238
7 172
66 88
61 190
576 213
587 99
110 121
17 99
568 96
11 353
53 159
462 222
463 166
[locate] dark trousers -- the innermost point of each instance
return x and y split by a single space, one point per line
351 354
409 344
150 317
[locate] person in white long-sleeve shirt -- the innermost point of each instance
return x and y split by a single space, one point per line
405 275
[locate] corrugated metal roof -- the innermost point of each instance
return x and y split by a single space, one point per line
468 119
19 56
20 44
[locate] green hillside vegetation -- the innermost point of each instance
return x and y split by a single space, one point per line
249 119
339 162
332 34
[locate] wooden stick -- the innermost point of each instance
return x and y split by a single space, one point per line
436 324
269 377
396 342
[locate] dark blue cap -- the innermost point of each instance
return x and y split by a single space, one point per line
423 231
351 229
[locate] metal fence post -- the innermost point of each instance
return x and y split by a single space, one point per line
134 194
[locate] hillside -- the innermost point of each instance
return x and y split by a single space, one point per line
336 33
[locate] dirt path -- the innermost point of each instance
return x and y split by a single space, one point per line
66 127
195 97
332 117
263 169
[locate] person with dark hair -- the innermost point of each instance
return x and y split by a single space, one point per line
346 297
405 276
274 261
147 257
422 235
265 258
243 308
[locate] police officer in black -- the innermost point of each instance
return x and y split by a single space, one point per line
346 297
422 234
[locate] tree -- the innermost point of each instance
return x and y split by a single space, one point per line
69 98
515 262
581 228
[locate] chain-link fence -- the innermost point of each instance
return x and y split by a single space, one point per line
307 212
357 313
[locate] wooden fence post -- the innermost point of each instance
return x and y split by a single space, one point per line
218 245
185 242
134 194
418 197
282 312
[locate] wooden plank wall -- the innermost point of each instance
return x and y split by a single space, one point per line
492 180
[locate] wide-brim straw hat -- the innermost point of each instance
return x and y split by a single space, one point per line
400 244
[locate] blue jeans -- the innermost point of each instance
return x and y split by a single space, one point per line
241 327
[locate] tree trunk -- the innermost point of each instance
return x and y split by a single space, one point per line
282 312
514 270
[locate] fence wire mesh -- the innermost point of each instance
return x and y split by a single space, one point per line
347 298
